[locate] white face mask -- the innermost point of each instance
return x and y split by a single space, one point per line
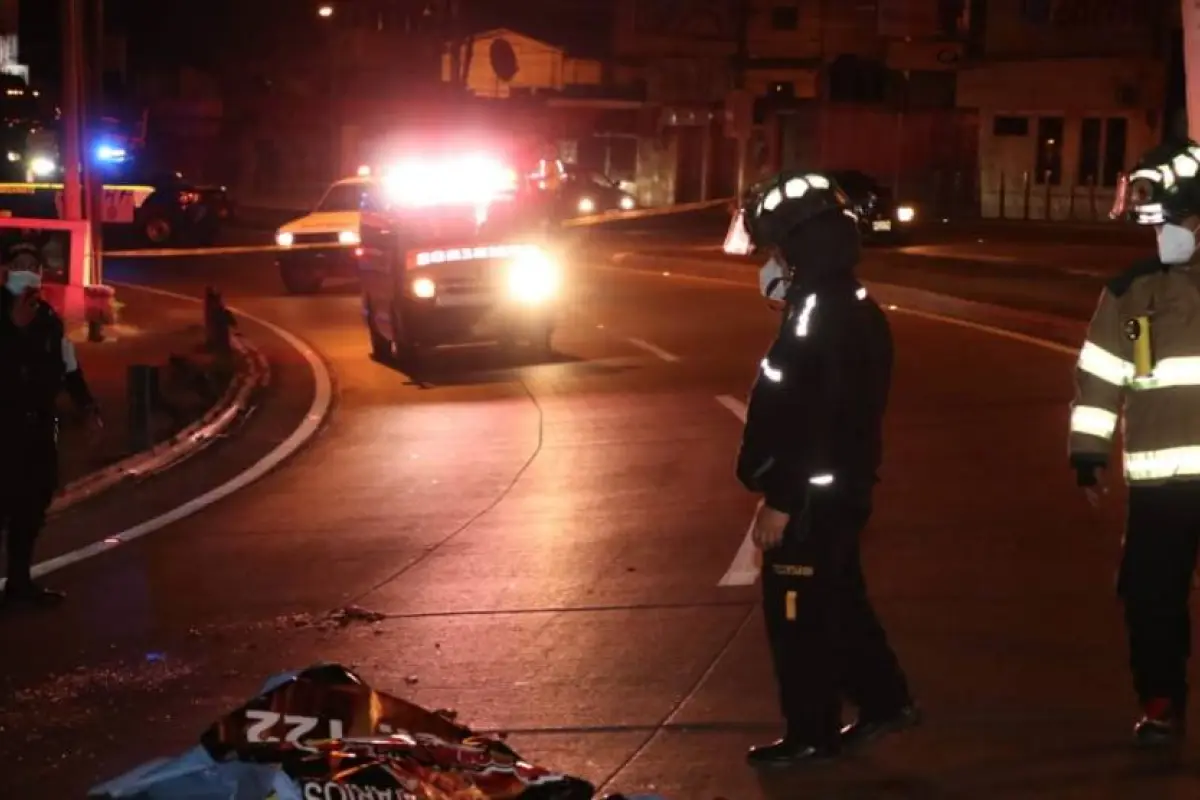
773 279
1176 244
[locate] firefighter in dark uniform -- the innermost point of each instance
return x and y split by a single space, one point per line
1141 361
812 446
37 361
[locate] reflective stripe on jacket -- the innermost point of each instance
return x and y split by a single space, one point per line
1155 387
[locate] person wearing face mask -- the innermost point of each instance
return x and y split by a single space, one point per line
1141 361
37 361
811 448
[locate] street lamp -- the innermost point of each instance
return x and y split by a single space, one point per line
325 11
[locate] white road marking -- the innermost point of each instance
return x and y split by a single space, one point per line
735 406
1045 344
747 563
317 411
653 350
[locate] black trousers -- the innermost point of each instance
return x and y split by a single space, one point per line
1161 537
28 480
826 641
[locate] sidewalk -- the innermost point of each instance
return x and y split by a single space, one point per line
153 330
1102 230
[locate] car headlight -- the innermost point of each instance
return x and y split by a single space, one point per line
587 205
285 239
13 156
41 166
905 214
424 288
627 203
533 277
349 237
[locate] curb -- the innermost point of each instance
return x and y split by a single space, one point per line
1057 330
234 403
642 213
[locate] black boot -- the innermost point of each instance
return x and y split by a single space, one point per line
788 752
1161 724
870 727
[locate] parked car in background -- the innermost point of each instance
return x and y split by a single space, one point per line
583 192
880 218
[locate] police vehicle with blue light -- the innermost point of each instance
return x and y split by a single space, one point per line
159 209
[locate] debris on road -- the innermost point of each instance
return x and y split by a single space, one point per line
323 732
349 614
338 618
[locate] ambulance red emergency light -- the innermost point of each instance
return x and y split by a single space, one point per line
457 261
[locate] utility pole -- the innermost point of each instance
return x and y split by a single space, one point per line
91 171
72 207
743 106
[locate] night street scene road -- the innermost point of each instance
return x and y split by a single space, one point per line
739 400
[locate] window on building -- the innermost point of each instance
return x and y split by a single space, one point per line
1010 126
1049 151
856 80
785 18
1037 12
1116 130
1088 170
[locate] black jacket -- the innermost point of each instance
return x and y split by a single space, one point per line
817 405
33 368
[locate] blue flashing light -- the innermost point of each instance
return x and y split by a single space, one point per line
110 154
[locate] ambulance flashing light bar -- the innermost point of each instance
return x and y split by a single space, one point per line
466 180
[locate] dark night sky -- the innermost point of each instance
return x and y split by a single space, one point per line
192 32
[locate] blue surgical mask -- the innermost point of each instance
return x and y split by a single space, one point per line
1176 244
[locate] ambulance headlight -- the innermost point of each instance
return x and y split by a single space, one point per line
285 239
587 205
349 237
905 214
41 166
533 277
627 203
424 288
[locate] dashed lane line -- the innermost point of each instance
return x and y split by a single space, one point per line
654 350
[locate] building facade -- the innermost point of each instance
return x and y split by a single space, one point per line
503 61
1068 93
864 85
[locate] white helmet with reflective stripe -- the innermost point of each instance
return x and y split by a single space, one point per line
789 200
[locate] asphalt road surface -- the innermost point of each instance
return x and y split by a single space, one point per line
546 540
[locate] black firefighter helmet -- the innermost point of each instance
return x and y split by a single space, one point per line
1163 187
779 205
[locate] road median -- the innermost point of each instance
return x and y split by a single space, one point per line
202 395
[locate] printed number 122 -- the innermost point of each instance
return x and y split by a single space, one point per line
298 727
